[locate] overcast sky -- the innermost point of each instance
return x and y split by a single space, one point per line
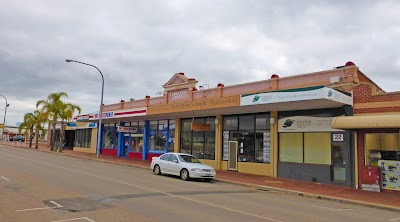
140 45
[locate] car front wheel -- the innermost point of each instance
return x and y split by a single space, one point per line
185 174
157 170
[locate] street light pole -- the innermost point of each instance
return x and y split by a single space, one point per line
101 104
4 120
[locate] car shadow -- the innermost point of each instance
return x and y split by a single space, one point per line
196 180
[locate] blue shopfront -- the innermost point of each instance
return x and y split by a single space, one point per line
138 139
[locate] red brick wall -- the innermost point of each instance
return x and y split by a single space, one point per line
363 94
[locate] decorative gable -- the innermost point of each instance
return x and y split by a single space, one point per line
179 81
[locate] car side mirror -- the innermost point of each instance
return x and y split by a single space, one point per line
176 161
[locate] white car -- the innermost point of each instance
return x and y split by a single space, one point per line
181 164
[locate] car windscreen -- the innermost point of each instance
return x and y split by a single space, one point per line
188 159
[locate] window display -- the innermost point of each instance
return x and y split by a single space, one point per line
200 144
83 138
110 136
381 146
252 134
158 135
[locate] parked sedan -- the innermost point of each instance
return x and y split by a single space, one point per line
181 164
18 138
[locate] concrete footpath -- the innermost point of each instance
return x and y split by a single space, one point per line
388 200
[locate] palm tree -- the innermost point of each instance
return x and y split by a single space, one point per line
52 106
57 109
40 118
66 114
28 124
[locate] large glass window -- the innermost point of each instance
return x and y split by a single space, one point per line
110 136
385 146
134 141
291 147
305 147
83 138
200 144
252 134
158 135
171 136
317 148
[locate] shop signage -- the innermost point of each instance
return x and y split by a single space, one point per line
312 93
337 137
306 124
126 129
92 125
114 114
86 117
200 126
106 115
195 105
179 95
390 174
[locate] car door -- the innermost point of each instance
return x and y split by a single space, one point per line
164 163
174 165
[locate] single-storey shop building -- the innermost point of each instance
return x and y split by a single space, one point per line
278 127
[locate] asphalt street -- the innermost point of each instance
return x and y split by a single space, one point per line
39 186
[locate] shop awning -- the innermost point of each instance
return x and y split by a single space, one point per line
389 121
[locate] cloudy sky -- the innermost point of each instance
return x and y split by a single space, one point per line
139 45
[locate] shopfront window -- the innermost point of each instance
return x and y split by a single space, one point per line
252 134
158 135
200 144
305 147
110 136
171 136
291 147
134 139
83 138
381 146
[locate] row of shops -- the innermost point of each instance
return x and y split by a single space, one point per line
291 127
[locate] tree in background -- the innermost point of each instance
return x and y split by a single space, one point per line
40 118
57 109
52 106
27 125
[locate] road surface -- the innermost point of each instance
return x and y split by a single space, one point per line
39 186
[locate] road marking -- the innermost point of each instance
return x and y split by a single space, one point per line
42 208
4 178
80 218
333 209
57 205
31 209
149 189
394 219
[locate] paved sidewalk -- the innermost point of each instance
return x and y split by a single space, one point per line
389 200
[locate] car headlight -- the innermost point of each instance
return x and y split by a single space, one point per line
196 170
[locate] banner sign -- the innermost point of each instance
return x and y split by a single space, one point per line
82 118
126 129
113 114
306 124
312 93
205 104
200 126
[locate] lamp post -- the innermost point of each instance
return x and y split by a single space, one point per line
101 104
4 120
